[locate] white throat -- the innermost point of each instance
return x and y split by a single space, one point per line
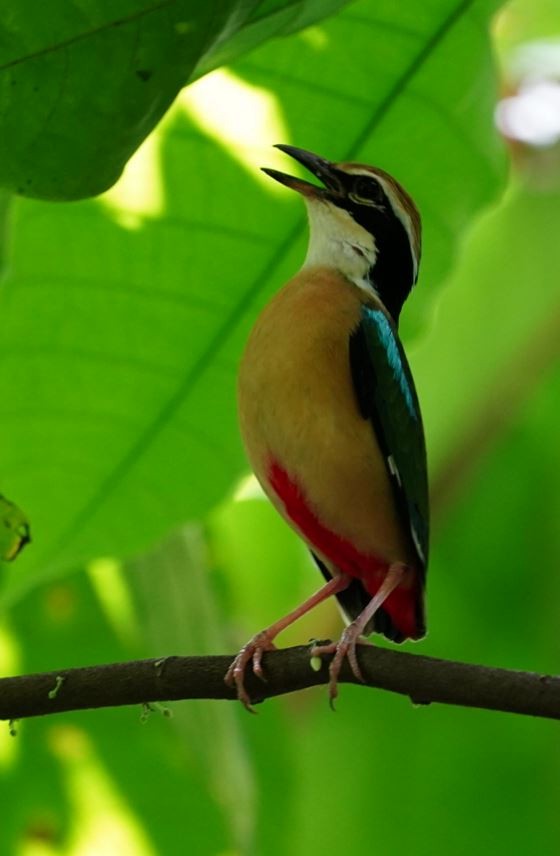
337 241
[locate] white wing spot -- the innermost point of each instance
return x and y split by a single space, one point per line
394 470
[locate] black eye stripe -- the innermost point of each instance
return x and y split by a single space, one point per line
393 271
367 188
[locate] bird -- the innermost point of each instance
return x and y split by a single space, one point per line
329 413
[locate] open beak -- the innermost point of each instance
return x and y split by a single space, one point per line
322 169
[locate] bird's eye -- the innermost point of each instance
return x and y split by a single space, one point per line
367 190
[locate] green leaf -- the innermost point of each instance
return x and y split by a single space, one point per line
269 18
5 208
123 319
14 530
83 83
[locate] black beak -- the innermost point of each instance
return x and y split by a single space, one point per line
322 169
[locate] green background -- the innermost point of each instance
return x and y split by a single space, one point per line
122 321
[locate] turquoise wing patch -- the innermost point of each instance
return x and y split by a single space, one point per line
387 396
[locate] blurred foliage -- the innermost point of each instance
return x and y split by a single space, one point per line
122 323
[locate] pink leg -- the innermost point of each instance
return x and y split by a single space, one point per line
264 641
346 646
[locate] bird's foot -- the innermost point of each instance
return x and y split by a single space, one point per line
252 652
345 647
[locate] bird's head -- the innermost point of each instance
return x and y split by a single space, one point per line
362 223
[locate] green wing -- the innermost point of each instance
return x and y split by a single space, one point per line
387 397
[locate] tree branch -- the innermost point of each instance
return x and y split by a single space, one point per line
422 679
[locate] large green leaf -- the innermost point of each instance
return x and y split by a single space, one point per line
83 83
123 319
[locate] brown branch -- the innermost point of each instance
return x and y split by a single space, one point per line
422 679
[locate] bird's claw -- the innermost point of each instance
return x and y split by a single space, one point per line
345 647
252 653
